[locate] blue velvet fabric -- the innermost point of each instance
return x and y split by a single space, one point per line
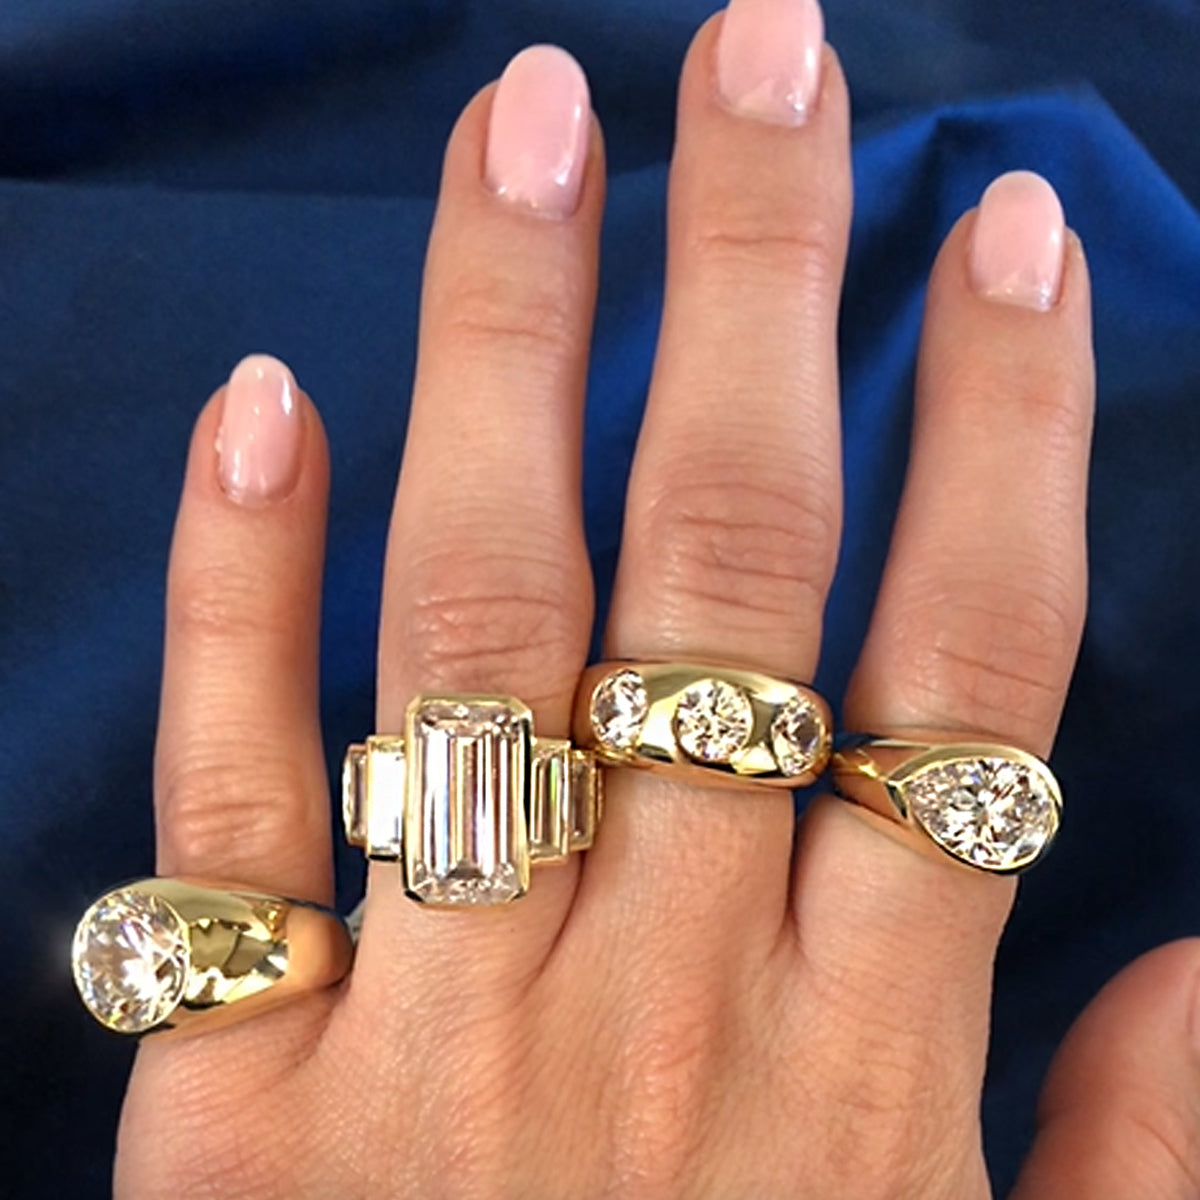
183 183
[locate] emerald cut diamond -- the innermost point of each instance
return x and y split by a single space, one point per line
465 836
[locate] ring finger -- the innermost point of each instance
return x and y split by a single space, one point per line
487 588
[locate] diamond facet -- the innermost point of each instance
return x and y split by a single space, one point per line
354 795
549 800
130 960
383 782
583 811
619 706
465 836
988 811
797 735
713 720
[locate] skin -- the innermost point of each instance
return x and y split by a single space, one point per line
702 1007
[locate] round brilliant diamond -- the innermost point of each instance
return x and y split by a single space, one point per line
797 735
713 720
619 706
130 960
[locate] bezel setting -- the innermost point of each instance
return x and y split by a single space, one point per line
713 720
618 710
996 811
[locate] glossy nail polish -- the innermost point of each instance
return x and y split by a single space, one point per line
1016 254
538 132
258 444
769 59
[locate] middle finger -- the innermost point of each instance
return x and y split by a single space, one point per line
734 504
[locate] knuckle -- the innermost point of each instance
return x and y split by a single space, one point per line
808 248
1047 397
509 621
219 602
995 654
539 316
888 1117
1053 404
243 807
746 548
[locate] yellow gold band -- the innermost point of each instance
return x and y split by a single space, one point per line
163 954
706 722
983 804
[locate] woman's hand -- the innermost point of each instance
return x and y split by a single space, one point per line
704 1006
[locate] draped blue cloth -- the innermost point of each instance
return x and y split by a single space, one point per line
183 183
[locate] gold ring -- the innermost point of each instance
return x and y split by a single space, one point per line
176 953
709 723
984 804
467 799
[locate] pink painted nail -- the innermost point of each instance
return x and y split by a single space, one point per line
258 444
538 137
1017 247
769 58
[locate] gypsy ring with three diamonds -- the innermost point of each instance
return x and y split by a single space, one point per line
704 722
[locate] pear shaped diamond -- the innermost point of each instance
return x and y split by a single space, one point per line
991 812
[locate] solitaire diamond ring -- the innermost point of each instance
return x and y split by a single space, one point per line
163 954
983 804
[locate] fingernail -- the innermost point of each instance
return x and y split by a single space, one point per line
1017 245
769 58
538 136
258 443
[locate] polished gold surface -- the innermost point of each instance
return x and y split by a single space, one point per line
984 804
709 722
163 954
467 799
